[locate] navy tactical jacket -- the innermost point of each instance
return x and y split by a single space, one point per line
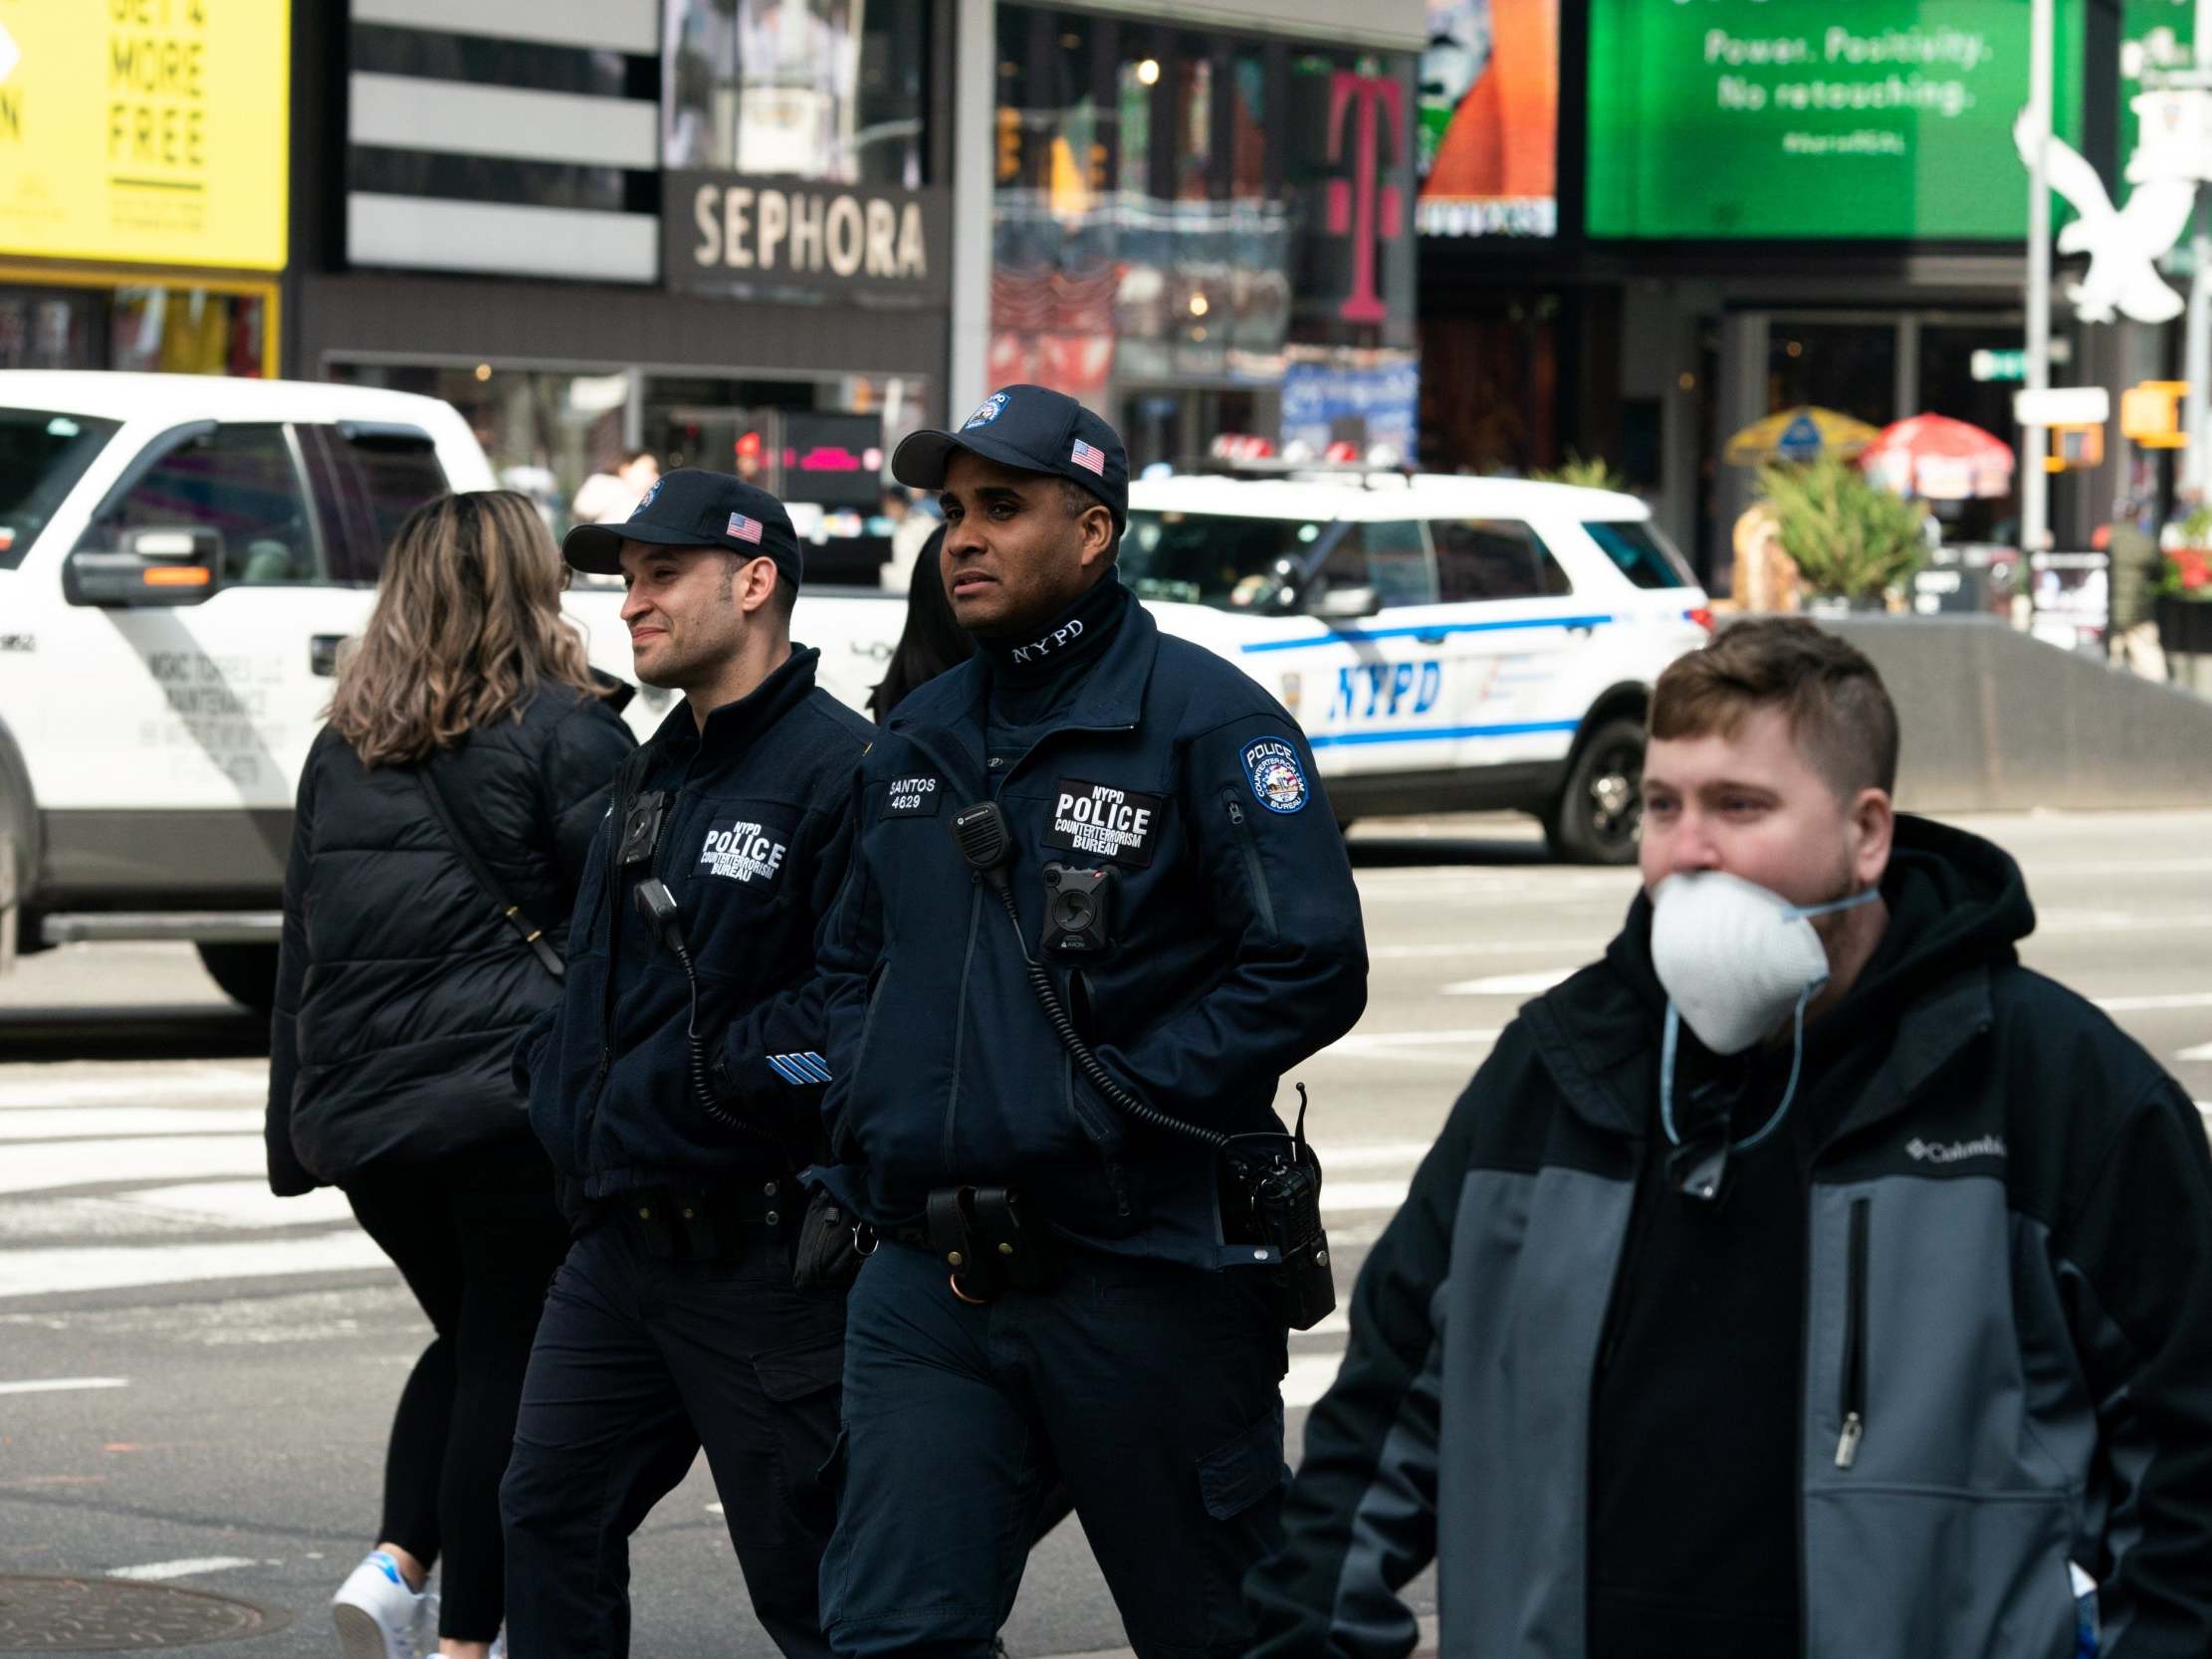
1236 947
753 848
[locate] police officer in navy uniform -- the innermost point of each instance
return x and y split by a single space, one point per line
1058 1285
677 1086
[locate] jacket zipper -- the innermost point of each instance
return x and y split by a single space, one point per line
1262 899
1855 1340
959 1024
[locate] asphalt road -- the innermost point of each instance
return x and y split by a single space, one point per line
198 1377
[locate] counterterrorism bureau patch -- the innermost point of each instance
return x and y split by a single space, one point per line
1105 822
741 851
912 797
1278 780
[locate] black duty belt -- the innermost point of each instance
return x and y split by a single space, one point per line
709 1223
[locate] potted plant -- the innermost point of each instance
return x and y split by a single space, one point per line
2184 589
1851 540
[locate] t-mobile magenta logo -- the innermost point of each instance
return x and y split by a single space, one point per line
1360 207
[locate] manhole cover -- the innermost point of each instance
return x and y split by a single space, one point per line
105 1615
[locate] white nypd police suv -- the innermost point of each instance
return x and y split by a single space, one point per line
182 556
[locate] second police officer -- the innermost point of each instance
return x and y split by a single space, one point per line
1095 886
677 1086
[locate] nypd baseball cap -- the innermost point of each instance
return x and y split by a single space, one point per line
693 507
1033 429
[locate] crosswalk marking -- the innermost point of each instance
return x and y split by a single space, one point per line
63 1385
94 1123
66 1269
191 1566
132 1083
43 1165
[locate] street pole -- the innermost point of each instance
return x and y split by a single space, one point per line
2197 343
2035 483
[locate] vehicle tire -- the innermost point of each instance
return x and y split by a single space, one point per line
1594 817
246 972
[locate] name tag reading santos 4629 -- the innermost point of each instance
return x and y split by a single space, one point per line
1105 822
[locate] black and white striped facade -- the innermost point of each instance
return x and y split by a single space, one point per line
505 137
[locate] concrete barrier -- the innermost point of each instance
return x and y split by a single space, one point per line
1996 722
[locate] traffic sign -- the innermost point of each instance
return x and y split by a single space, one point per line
2063 406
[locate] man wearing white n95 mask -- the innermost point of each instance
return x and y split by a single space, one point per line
1805 1278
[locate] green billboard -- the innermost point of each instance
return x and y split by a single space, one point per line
1814 119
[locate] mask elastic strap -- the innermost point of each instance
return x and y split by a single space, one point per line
1669 1049
1834 905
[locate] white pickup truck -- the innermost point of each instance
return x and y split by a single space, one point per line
180 559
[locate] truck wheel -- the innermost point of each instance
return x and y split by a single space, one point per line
246 972
1594 820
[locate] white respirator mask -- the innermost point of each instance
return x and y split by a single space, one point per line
1735 961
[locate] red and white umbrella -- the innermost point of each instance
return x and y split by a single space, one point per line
1940 460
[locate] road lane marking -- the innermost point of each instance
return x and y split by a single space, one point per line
1309 1377
72 1269
2203 1051
191 1566
63 1385
1508 984
1362 1195
37 1168
2152 1004
27 1085
94 1123
247 1203
1377 1154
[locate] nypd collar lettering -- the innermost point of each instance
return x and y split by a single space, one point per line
1105 822
1278 777
1059 638
912 797
740 851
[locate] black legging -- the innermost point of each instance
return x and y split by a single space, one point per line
476 1238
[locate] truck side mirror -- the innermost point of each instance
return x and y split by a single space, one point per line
157 566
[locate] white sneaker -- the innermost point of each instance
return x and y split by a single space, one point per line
380 1617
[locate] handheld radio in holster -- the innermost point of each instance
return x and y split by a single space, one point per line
1271 1194
1272 1184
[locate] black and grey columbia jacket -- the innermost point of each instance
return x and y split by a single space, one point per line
2009 1281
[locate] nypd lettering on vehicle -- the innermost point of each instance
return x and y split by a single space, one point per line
740 851
912 797
1105 822
1370 690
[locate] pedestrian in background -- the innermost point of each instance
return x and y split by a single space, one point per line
611 497
931 641
911 530
444 816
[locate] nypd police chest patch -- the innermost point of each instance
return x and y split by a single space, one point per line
741 851
1105 822
1277 778
912 797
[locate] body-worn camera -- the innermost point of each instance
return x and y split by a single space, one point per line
641 828
1078 907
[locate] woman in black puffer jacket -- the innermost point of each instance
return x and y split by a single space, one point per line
466 715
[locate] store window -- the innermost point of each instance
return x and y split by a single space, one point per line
829 89
145 327
1182 228
239 481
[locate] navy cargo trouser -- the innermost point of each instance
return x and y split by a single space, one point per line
639 1362
1151 1389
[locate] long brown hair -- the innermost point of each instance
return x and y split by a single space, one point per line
467 628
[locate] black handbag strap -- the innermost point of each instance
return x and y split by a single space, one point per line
512 914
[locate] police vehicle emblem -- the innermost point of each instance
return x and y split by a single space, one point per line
986 411
912 797
1105 822
1278 780
645 501
740 851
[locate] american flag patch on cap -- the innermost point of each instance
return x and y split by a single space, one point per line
1089 456
743 529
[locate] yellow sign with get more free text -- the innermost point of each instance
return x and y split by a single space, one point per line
148 132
